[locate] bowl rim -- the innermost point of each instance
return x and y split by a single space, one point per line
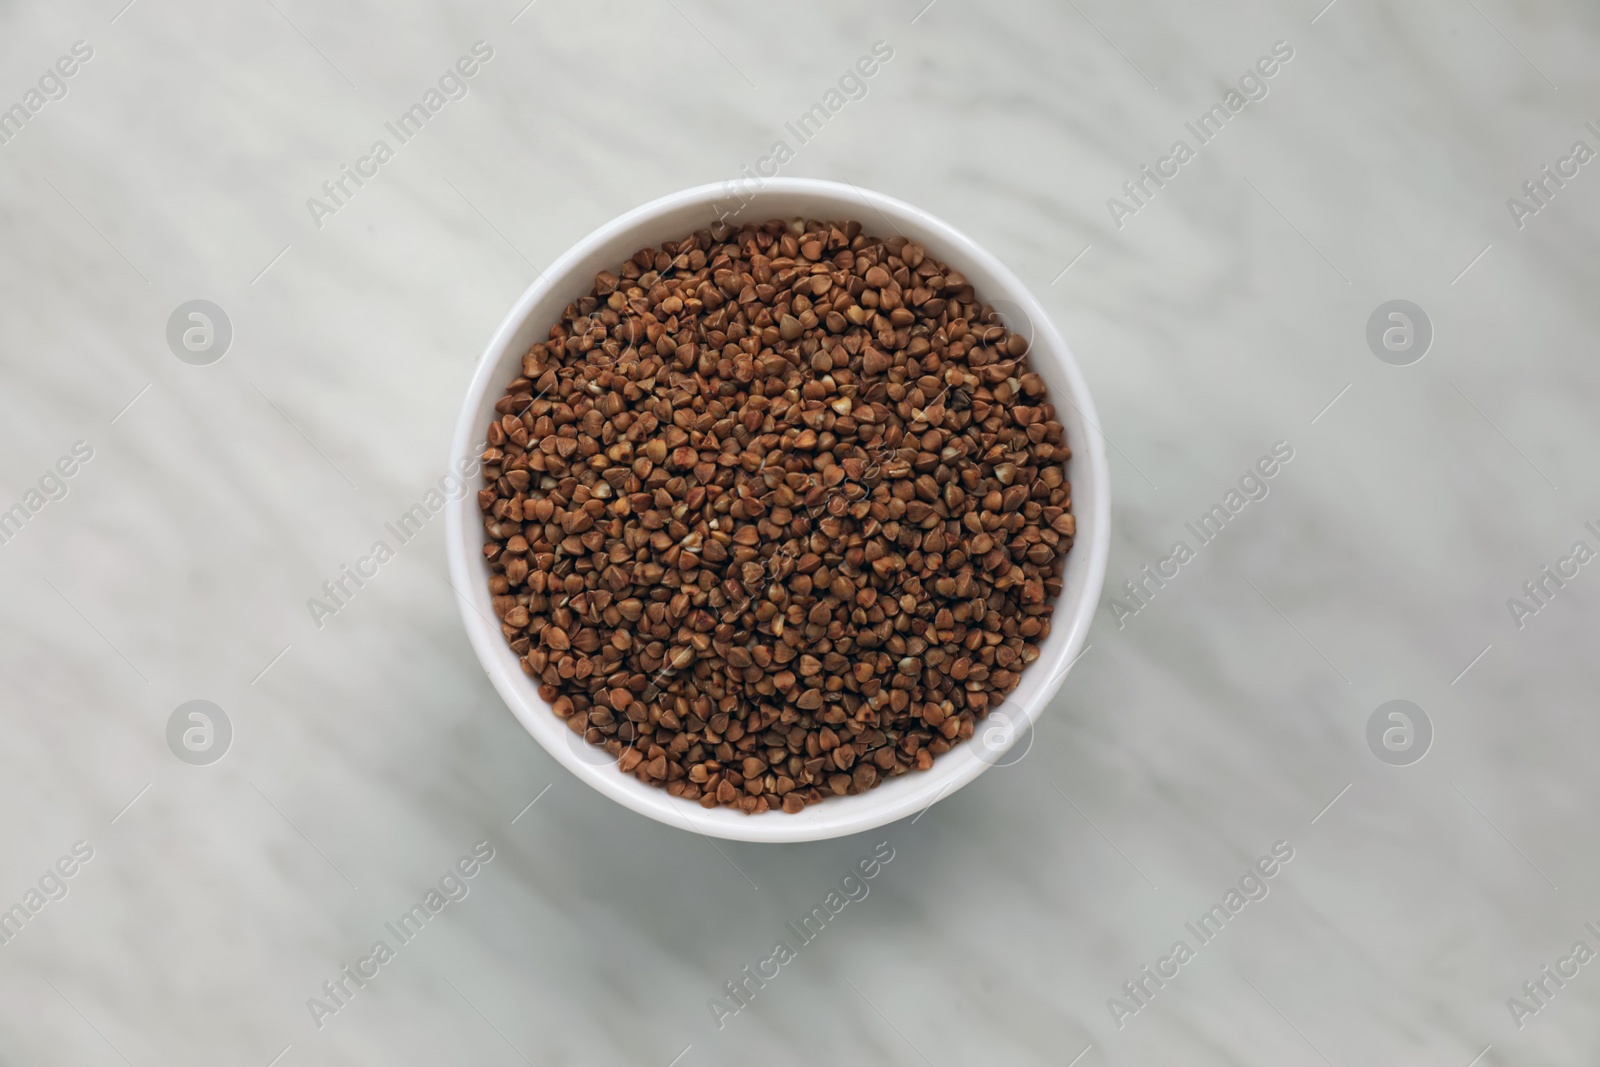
837 816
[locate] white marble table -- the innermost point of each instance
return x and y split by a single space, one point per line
1221 312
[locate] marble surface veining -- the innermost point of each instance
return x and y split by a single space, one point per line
1217 314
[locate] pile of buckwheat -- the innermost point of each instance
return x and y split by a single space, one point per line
776 512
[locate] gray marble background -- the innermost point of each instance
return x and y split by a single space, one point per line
1228 313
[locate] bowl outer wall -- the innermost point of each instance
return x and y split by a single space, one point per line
667 219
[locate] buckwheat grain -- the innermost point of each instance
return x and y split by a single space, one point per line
776 513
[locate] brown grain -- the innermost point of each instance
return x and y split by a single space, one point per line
776 513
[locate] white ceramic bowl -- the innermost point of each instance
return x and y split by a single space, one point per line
668 219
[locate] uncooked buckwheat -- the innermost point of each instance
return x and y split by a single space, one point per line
776 513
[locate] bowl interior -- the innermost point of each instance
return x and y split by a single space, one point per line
669 219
